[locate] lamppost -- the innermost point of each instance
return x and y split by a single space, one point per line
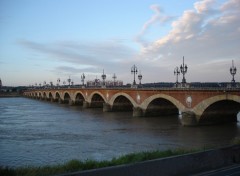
140 77
103 78
69 81
134 71
176 72
233 71
82 78
183 69
96 81
114 79
51 83
58 82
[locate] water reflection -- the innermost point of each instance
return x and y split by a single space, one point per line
38 133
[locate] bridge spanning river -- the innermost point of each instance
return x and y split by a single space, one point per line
196 106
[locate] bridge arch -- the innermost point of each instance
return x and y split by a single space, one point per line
57 96
96 99
117 95
202 106
79 98
40 95
66 97
217 109
50 95
170 99
122 103
44 96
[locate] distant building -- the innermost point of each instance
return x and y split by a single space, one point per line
98 83
0 83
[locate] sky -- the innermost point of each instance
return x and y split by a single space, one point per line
49 39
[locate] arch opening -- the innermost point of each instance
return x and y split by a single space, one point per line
79 99
66 98
40 95
97 101
51 96
224 111
161 107
121 103
57 97
44 96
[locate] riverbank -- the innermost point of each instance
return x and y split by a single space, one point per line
76 165
169 162
187 164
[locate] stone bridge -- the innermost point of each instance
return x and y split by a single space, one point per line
195 106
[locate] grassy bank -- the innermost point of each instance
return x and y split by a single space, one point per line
76 165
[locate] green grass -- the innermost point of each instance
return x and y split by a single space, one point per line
76 165
236 141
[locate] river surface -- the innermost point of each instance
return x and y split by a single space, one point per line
34 132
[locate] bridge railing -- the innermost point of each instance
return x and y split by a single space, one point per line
143 88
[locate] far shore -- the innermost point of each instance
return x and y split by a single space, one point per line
9 94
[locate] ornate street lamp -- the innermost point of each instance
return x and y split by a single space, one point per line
51 83
96 81
58 82
176 72
69 81
82 78
140 77
103 78
183 69
114 79
134 71
44 83
233 71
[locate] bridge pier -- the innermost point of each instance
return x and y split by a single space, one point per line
107 107
60 101
52 100
138 112
189 118
86 104
71 102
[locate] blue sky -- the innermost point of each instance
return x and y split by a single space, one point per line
50 39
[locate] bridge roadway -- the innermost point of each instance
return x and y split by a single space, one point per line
196 106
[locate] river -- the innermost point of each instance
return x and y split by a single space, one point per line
38 133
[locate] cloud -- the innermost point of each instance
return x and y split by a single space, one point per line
231 5
158 17
207 32
204 6
86 56
208 35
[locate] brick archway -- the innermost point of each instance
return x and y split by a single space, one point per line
79 92
111 101
174 101
202 106
96 92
